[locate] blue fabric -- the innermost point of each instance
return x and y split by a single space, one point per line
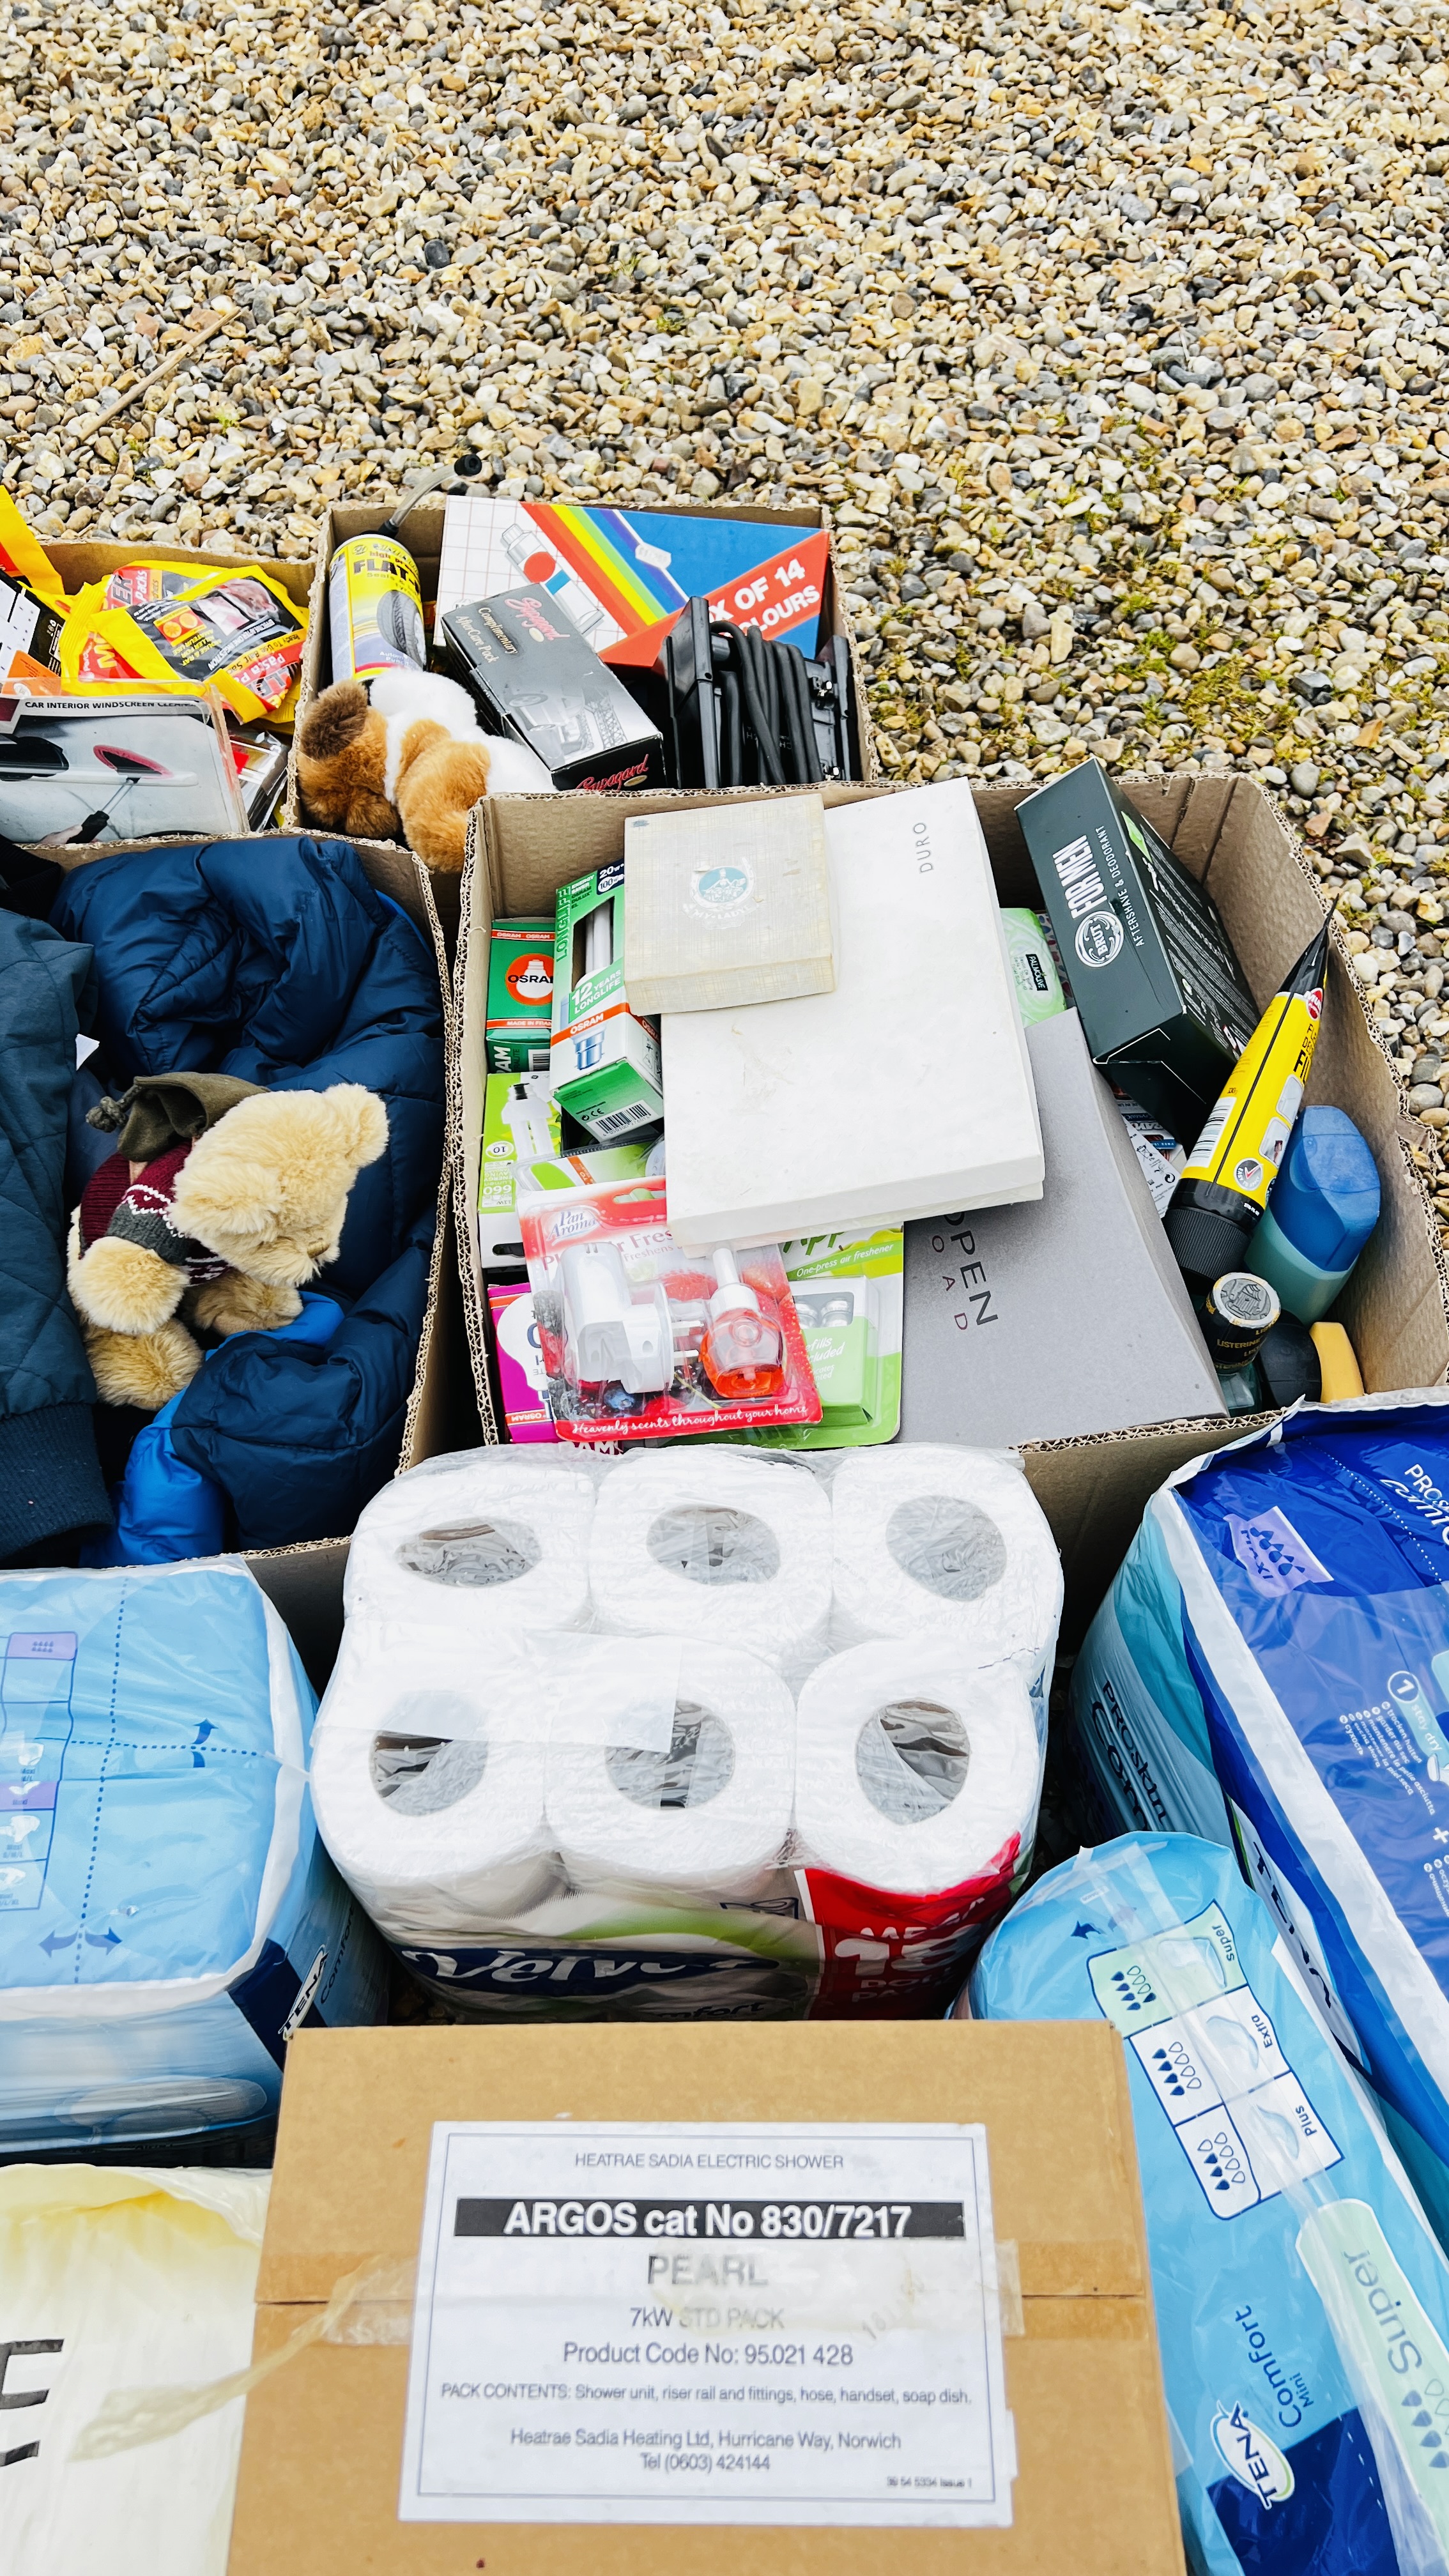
302 1437
167 1511
276 961
50 1478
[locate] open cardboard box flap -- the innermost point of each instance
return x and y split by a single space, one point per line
322 2441
1234 838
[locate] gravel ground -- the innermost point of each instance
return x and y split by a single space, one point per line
1111 336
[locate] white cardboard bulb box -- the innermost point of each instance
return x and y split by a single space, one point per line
905 1091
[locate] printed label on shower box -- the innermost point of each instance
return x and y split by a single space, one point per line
748 2324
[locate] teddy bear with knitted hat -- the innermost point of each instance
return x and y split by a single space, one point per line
220 1200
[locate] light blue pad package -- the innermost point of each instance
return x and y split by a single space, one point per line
168 1916
1302 2300
1284 1619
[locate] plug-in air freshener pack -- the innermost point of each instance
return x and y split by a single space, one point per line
642 1341
604 1057
168 1917
1302 2301
1274 1658
1163 1000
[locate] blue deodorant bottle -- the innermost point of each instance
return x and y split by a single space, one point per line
1323 1208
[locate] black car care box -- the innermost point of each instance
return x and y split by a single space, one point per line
1163 1001
534 677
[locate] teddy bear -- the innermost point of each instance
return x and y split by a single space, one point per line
412 758
220 1201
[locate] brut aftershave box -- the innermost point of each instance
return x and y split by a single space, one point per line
534 677
1163 1001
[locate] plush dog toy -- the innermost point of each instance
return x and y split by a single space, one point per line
222 1197
413 758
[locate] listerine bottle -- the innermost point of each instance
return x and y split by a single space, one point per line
36 1717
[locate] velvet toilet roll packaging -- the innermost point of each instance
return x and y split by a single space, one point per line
916 1791
691 1733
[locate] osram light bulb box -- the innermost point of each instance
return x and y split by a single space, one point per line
520 996
905 1090
727 905
605 1057
1163 1001
582 2260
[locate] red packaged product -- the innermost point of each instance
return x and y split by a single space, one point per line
641 1341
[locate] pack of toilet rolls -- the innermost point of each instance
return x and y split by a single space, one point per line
693 1732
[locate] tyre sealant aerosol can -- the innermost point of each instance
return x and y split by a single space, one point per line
375 609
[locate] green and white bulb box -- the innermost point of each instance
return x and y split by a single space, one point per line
1164 1004
521 1152
520 996
605 1058
728 905
520 1127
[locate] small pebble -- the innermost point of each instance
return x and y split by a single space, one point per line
1111 337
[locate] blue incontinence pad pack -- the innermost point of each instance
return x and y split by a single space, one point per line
1273 1666
168 1916
1302 2299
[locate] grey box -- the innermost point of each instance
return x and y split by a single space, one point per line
1063 1315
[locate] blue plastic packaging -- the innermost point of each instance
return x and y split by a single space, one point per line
1302 2300
1324 1207
168 1916
1296 1588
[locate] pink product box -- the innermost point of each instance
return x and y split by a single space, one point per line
521 1380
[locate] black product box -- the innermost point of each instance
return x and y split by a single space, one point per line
1163 1000
534 677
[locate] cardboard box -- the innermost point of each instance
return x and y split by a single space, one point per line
422 533
520 995
728 908
1233 838
1162 997
904 1090
305 1581
323 2436
535 679
989 1357
518 1111
605 1059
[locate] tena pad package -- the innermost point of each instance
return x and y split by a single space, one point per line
1281 1628
1302 2302
168 1916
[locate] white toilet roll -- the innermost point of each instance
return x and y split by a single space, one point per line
714 1546
480 1542
949 1544
439 1834
708 1820
912 1772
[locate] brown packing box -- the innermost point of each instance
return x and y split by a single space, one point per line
1232 836
322 2441
422 534
305 1581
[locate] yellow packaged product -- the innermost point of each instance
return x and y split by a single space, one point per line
234 629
